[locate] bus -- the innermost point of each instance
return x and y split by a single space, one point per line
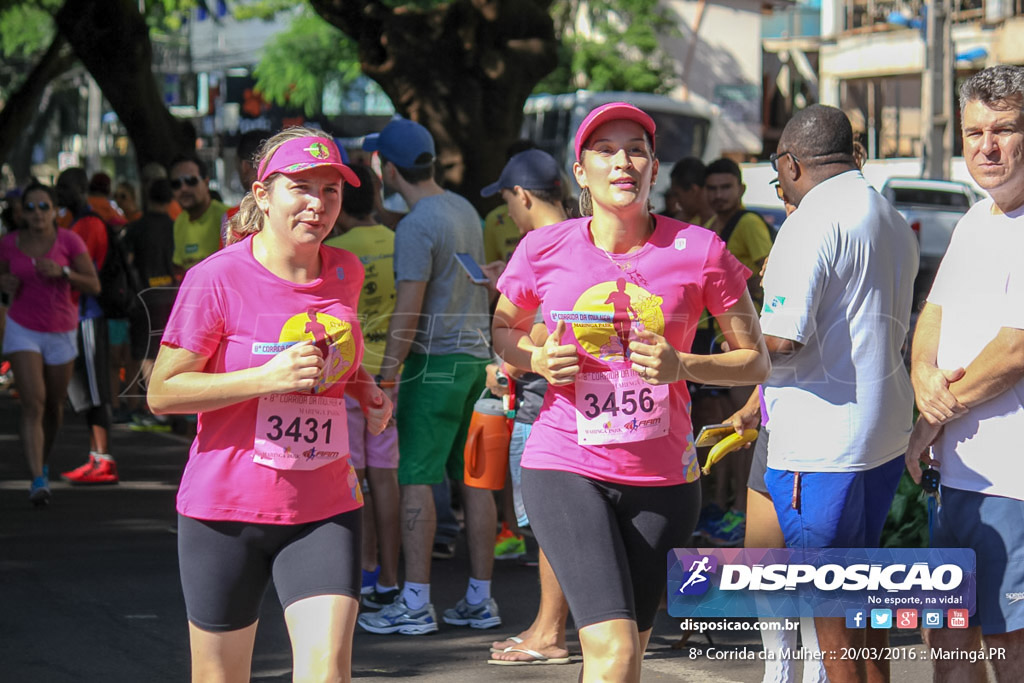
683 128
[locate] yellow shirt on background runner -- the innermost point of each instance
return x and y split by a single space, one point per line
501 236
750 241
374 246
195 240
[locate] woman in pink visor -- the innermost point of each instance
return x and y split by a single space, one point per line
610 472
264 344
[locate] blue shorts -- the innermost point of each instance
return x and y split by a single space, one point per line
520 432
836 509
993 527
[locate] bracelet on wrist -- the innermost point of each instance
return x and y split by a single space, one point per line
384 383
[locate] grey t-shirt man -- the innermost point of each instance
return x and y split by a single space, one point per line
454 317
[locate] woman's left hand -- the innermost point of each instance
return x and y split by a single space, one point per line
377 409
654 359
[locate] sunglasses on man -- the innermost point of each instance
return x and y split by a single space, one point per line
189 180
42 206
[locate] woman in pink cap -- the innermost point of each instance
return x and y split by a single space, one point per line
610 471
264 344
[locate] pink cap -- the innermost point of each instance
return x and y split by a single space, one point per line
302 153
613 111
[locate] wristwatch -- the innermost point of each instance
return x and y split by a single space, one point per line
383 383
67 272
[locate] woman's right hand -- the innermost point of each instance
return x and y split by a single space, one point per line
9 283
294 369
556 362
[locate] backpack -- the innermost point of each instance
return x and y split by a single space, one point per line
119 287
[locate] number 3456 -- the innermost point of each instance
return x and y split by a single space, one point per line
629 403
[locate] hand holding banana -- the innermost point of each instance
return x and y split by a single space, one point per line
728 445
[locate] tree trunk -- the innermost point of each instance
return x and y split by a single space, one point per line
111 39
23 105
462 69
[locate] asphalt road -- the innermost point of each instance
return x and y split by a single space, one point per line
89 590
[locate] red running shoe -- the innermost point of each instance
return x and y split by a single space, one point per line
96 471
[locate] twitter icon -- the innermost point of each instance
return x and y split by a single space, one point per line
881 618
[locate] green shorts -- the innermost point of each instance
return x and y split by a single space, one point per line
437 397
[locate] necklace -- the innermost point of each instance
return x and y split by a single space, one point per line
630 267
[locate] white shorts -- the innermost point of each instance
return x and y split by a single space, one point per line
56 348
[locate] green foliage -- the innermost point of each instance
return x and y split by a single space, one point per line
26 30
300 62
907 523
611 45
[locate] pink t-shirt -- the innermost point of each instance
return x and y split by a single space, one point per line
238 314
604 298
43 304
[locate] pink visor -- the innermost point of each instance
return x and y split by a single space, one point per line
613 111
302 153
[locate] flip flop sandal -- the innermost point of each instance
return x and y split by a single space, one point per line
537 658
515 639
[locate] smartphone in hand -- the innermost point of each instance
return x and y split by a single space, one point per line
472 268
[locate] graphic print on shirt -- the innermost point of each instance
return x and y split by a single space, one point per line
332 336
605 316
301 431
616 405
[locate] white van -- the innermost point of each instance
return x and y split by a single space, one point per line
683 128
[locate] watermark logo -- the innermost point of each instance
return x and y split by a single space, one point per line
958 618
697 579
932 618
881 618
906 618
856 618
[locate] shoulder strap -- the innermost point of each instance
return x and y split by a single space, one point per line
730 227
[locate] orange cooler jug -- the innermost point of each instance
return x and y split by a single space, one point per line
486 453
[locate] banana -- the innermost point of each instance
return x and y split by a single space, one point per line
728 445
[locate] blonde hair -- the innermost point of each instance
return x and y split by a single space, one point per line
250 219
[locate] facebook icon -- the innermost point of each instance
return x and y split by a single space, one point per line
855 618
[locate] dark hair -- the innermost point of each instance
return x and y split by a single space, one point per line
819 131
423 171
204 171
689 172
724 165
249 143
75 180
39 187
359 201
998 87
100 183
549 195
160 191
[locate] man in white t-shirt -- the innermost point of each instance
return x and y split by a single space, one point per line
968 373
838 291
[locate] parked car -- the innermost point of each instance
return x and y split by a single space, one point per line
932 208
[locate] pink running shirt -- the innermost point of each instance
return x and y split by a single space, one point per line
238 314
604 298
43 304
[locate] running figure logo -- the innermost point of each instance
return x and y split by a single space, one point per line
698 567
606 316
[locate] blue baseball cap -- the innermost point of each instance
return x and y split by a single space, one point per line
403 143
531 170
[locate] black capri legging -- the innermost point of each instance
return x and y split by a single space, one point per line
225 566
608 543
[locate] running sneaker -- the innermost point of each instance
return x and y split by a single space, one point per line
146 422
103 471
398 617
81 471
39 492
484 615
730 531
508 546
376 599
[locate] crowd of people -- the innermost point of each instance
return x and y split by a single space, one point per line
333 359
